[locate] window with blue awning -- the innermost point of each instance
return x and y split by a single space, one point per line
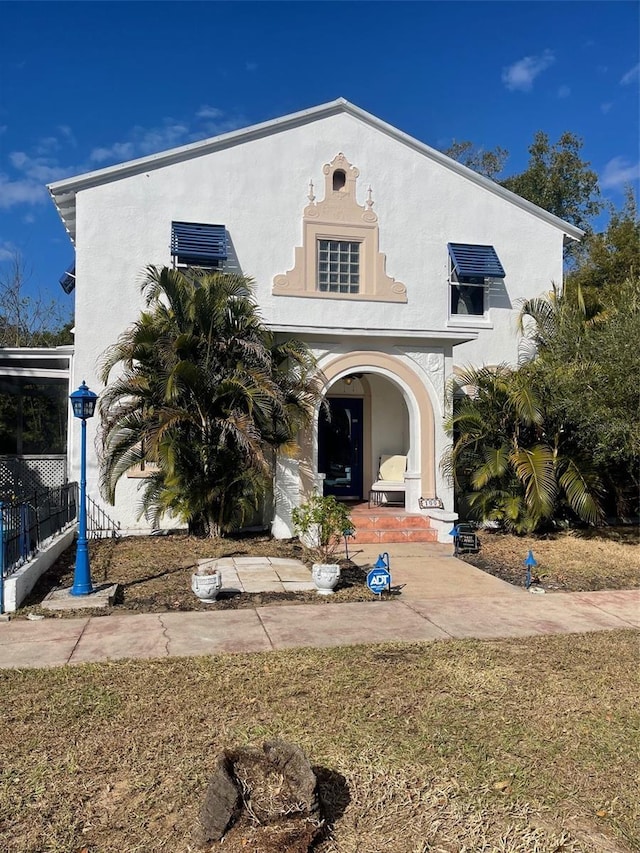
473 267
68 279
196 244
470 260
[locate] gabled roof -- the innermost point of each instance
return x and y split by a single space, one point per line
64 192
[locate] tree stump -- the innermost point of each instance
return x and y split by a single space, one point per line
262 800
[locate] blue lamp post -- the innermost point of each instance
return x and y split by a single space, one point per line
83 402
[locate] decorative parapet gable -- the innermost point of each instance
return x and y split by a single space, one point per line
340 219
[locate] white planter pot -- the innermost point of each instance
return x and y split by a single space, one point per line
206 587
325 576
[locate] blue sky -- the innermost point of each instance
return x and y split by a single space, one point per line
88 84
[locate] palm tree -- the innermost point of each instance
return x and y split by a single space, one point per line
508 460
584 362
203 391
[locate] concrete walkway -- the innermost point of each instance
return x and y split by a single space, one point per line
442 598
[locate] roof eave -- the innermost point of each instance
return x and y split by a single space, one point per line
63 191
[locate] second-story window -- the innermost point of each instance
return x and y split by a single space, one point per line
196 244
338 266
472 268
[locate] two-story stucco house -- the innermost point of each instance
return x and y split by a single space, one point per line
392 261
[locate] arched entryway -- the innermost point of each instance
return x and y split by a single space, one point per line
380 406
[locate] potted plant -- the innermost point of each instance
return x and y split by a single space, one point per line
206 581
321 522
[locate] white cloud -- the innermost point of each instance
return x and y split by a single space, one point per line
520 75
21 191
47 145
215 122
564 91
215 128
117 151
631 76
143 141
41 169
68 134
7 251
206 111
158 138
25 185
604 108
251 66
618 172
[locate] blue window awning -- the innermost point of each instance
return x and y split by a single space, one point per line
68 280
196 244
477 261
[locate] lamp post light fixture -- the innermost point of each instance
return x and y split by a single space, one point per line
530 563
83 403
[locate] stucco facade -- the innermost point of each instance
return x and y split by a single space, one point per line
395 340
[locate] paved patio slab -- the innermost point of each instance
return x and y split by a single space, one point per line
298 586
299 574
214 632
102 597
115 637
35 654
431 571
246 564
271 584
230 579
526 615
44 630
623 603
345 624
49 642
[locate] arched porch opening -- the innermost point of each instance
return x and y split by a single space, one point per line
397 417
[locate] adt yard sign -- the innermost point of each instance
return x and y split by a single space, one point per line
379 577
378 580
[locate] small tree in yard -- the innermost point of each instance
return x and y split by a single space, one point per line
321 522
205 392
29 320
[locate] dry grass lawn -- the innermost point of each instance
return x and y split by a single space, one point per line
606 558
520 746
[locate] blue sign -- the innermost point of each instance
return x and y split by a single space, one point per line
378 580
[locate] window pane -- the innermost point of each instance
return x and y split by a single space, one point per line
338 266
467 299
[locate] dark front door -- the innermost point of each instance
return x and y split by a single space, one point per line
340 448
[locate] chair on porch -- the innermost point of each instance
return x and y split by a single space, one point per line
390 480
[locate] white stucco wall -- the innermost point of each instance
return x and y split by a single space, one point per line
258 191
389 420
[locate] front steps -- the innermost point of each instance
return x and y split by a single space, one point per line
390 525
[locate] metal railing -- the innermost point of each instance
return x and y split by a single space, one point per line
25 524
99 524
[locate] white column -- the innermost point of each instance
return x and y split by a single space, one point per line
286 495
412 485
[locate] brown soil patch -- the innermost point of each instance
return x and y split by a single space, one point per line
574 561
154 573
